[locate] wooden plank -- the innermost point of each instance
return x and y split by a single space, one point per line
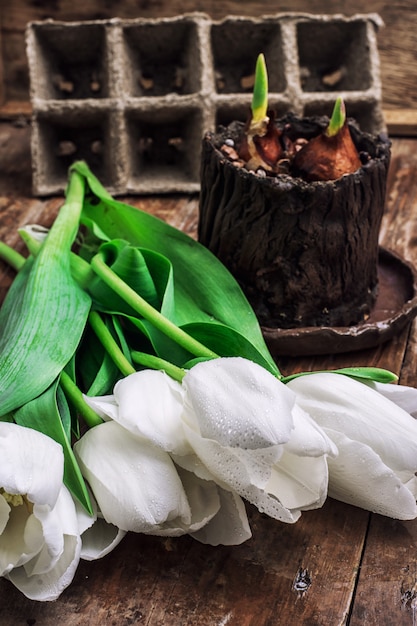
399 225
153 581
157 582
387 589
17 14
12 109
181 581
401 122
2 86
387 586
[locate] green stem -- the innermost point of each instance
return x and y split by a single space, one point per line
66 224
11 257
147 311
155 362
110 345
80 269
76 398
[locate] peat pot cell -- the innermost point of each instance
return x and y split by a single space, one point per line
236 45
70 62
162 58
166 149
61 144
333 56
227 114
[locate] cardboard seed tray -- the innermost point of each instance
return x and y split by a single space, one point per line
134 97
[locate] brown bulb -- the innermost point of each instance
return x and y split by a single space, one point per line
327 158
269 146
262 150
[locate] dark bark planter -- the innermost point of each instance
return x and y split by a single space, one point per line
305 254
395 307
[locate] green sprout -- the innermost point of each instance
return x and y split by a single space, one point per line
261 142
260 91
338 118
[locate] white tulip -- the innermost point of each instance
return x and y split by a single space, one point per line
135 483
233 423
250 438
139 488
40 543
376 439
149 404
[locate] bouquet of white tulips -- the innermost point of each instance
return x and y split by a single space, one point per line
137 394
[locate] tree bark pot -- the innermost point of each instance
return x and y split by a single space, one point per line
305 254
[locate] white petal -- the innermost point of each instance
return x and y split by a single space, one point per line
4 515
150 405
235 468
84 519
348 406
35 579
21 539
193 464
106 407
245 472
204 501
412 486
100 539
299 482
53 541
98 536
238 403
299 479
32 464
203 498
359 477
405 397
61 521
135 484
308 438
49 586
230 526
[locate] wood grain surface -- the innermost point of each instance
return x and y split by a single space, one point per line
357 568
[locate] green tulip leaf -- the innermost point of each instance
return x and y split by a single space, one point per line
144 335
44 313
337 119
376 374
95 368
227 342
260 91
205 291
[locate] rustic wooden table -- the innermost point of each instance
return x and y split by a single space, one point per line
360 568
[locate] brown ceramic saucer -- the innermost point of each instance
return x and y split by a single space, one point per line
396 305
